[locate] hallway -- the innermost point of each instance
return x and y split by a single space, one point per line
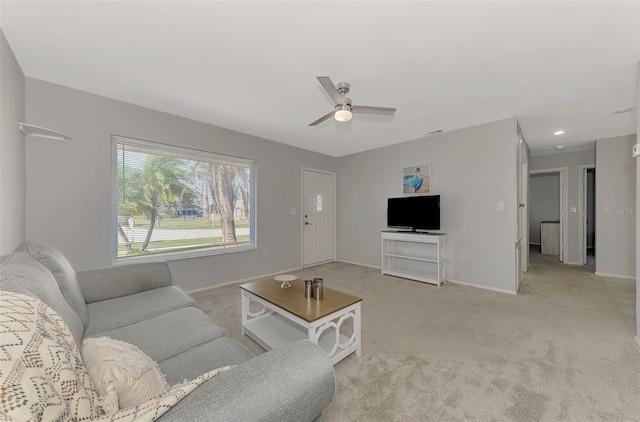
580 279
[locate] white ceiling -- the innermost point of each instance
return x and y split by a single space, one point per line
252 66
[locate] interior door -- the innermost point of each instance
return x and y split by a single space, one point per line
562 214
319 217
583 216
524 214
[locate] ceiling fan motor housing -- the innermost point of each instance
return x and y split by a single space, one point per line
346 106
343 88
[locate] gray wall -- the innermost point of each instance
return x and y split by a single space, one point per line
12 151
544 202
472 169
573 161
69 189
615 207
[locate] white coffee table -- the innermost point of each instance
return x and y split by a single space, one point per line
283 316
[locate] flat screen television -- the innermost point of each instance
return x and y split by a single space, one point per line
415 213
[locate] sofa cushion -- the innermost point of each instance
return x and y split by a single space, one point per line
22 273
121 366
217 353
190 327
107 283
64 274
122 311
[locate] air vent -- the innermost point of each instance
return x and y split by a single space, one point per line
433 132
624 110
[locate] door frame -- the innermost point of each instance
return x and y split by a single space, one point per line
582 201
335 212
524 210
564 207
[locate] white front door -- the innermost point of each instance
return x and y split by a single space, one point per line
319 217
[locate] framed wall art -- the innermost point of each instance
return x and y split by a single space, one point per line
416 179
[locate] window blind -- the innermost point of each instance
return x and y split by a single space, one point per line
172 202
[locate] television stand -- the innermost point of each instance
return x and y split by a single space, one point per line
417 256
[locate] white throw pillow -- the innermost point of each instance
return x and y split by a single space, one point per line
120 367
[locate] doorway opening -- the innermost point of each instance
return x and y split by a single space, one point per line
588 215
548 197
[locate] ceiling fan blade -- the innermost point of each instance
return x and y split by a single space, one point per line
331 90
385 111
323 118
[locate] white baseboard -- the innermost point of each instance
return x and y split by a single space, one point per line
360 264
573 263
479 286
202 289
626 277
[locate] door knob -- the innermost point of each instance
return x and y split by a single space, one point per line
306 223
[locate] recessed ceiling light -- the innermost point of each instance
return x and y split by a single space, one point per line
559 146
558 132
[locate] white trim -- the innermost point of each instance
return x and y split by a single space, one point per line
564 211
178 256
521 214
203 289
377 267
626 277
182 151
479 286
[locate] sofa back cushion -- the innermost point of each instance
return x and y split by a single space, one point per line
111 282
64 274
22 273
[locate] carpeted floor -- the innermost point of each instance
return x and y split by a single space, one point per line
561 350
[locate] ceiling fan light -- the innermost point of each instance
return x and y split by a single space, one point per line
343 115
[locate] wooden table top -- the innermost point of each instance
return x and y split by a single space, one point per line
293 301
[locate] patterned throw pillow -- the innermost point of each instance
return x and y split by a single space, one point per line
41 372
122 373
42 376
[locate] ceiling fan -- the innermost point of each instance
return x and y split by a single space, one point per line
343 107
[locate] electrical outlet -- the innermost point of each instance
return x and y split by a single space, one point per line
265 253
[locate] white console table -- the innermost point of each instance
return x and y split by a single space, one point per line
416 256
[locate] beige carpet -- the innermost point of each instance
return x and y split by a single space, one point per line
562 350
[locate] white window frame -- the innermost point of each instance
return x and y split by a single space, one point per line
189 153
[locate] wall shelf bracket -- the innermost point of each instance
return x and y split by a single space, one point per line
41 132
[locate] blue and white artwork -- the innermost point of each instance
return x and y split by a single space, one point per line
416 179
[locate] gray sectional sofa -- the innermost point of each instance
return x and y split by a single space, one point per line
139 304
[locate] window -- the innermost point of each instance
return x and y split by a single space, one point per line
173 202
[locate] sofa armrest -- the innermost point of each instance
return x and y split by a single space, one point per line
293 383
112 282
